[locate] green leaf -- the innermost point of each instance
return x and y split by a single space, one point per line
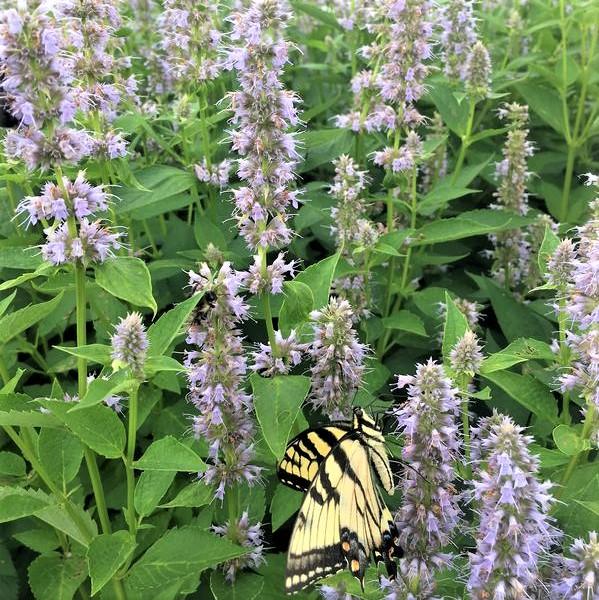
19 257
12 464
405 320
520 350
16 503
18 410
169 454
93 353
468 224
455 326
41 270
545 102
527 391
60 453
56 516
318 277
105 556
150 489
127 278
568 440
296 308
246 586
454 114
317 13
548 247
101 388
285 502
160 364
515 319
439 197
323 146
277 401
178 553
98 427
6 302
194 495
40 538
9 579
12 324
162 333
54 577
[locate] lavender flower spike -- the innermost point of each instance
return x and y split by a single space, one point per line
458 36
338 359
578 577
430 512
130 344
514 530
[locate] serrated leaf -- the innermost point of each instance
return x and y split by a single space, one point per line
106 554
127 278
318 277
60 453
169 454
277 401
296 308
56 516
55 577
16 503
12 464
162 333
407 321
94 353
246 586
150 489
20 410
193 495
12 324
520 350
101 388
165 562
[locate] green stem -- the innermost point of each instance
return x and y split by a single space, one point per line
585 434
265 297
465 142
563 210
131 437
463 382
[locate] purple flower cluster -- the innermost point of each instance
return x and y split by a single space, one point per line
384 95
216 370
514 530
130 344
430 513
217 175
512 249
269 279
458 35
263 111
338 359
245 535
403 159
477 72
190 41
288 355
466 356
71 236
577 578
578 270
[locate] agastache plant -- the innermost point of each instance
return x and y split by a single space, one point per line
216 370
430 511
514 531
458 36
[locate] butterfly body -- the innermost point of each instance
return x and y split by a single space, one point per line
343 521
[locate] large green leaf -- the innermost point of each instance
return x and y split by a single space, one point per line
277 401
106 554
127 278
169 454
16 503
246 586
178 553
12 324
407 321
150 489
324 145
545 102
21 410
60 453
455 326
318 277
296 308
520 350
56 577
285 502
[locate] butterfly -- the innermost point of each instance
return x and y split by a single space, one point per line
343 520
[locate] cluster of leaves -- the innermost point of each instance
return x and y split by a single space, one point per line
63 490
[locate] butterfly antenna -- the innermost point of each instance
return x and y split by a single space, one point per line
409 466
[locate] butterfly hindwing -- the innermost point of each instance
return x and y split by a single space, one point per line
305 453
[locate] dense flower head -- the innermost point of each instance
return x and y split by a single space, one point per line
559 265
478 72
263 111
338 359
37 149
430 513
216 174
130 343
289 352
577 578
36 70
216 369
190 42
514 530
458 35
90 243
466 356
335 592
404 158
269 280
248 536
57 202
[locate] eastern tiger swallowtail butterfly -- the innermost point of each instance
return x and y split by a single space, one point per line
343 521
